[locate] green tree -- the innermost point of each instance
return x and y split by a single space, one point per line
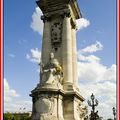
109 119
8 116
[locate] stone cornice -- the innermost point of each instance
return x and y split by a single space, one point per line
48 6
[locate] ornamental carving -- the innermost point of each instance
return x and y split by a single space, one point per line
65 13
82 110
44 104
56 34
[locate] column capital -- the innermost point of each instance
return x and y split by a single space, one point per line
45 17
65 13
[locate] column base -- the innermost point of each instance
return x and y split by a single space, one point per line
70 87
46 86
57 104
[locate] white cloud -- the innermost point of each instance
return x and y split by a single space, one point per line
83 53
104 90
90 67
37 23
110 73
12 102
95 72
92 48
9 92
97 78
34 56
11 55
82 23
89 58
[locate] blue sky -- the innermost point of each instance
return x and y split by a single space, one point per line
96 44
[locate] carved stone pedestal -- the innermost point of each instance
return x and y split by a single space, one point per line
56 104
47 104
73 106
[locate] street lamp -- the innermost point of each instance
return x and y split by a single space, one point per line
93 103
114 112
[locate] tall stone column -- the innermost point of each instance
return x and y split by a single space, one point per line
74 54
46 45
56 98
67 49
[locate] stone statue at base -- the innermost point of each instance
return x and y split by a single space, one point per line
52 71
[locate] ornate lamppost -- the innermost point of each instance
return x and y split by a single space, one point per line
114 112
93 103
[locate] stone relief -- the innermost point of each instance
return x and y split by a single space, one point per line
56 34
44 105
52 71
82 110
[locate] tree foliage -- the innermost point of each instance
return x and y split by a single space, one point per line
9 116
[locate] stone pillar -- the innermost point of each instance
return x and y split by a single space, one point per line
55 97
74 54
67 49
46 45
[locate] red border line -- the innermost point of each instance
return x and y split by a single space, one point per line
1 59
118 70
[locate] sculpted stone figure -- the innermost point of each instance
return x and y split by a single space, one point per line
82 110
52 71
